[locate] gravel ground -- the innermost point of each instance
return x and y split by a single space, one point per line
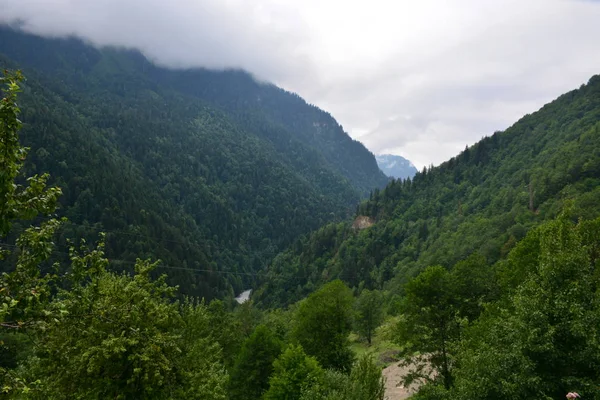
393 389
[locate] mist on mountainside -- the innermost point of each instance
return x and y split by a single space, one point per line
191 208
396 167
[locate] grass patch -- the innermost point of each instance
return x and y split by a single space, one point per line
382 347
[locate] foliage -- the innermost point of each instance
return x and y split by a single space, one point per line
97 334
334 385
544 342
482 201
364 383
254 364
322 324
119 337
475 284
24 292
225 330
429 326
115 340
436 307
22 289
18 201
367 382
294 372
369 313
200 367
211 172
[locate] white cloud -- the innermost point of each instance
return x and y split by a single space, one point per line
418 78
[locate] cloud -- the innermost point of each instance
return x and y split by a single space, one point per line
176 33
420 79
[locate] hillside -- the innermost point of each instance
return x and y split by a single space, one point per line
524 326
396 167
205 170
483 201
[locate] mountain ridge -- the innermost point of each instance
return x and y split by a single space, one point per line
203 181
482 201
395 166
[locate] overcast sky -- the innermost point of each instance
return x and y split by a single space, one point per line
418 78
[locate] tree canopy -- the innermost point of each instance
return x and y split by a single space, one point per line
211 172
482 201
322 325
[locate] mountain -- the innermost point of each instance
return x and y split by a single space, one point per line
482 201
396 167
212 172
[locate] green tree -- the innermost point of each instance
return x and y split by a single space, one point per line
429 326
323 323
225 330
25 291
200 369
474 286
365 382
122 337
97 334
18 201
333 386
369 313
254 364
542 342
294 372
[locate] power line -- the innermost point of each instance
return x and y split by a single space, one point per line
160 265
141 235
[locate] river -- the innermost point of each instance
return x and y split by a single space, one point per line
244 296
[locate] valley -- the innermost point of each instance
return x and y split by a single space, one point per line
182 165
196 233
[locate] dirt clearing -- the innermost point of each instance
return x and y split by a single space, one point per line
394 390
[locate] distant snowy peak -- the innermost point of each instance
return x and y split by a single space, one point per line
396 166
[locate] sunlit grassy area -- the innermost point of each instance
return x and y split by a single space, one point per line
382 347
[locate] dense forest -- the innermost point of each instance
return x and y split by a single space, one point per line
482 201
211 172
77 330
486 266
479 277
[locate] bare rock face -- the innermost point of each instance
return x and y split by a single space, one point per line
362 222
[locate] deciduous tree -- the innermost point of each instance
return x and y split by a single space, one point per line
294 372
369 313
254 364
323 323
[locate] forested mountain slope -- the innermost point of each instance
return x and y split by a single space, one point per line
205 170
482 201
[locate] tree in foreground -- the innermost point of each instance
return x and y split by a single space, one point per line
122 336
294 372
254 364
97 334
24 292
365 382
429 326
323 323
226 330
544 342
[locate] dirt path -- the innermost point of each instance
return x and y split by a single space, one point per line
393 389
